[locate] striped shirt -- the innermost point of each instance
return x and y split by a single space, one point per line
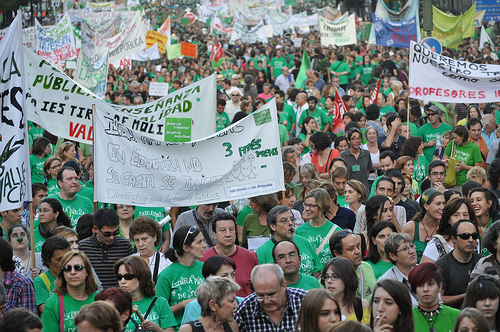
103 258
251 318
484 267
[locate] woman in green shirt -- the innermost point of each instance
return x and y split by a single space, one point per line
309 127
39 153
365 70
50 215
75 286
414 148
255 224
376 255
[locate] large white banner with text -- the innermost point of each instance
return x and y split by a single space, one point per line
434 77
57 44
243 160
340 34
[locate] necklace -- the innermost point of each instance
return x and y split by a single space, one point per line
429 237
433 317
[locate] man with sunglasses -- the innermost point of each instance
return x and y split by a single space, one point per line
457 266
202 217
233 105
105 247
432 131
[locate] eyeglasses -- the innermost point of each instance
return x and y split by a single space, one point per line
127 276
431 114
438 174
332 277
235 95
192 230
311 206
261 298
76 267
109 234
466 236
406 248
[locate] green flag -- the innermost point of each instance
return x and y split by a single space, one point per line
301 76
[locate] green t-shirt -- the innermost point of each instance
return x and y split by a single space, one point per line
178 282
421 168
292 114
316 235
283 134
341 201
442 322
369 278
307 149
428 134
310 261
39 239
284 116
468 154
339 67
413 129
155 213
36 165
277 64
366 73
386 109
319 115
222 120
41 291
53 187
76 207
252 227
242 214
50 316
160 313
35 132
305 282
380 267
87 192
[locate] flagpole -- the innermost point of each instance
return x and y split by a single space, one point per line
408 119
31 209
95 164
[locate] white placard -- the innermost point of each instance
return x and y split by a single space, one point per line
158 89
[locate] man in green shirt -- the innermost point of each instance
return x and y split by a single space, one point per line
318 114
276 64
286 254
433 130
341 70
382 103
9 218
222 117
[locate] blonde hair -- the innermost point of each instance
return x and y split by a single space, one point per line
476 172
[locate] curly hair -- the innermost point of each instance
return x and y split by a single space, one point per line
143 224
410 146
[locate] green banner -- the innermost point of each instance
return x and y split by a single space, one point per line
451 30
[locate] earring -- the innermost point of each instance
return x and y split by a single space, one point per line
214 317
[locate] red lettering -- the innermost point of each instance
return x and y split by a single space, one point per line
438 92
481 94
472 94
72 129
446 92
461 94
76 130
454 93
432 90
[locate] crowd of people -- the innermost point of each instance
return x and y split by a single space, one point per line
385 224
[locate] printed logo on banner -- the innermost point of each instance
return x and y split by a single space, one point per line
178 129
262 117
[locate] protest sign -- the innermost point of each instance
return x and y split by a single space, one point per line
29 37
141 58
64 107
158 89
450 30
435 77
218 26
340 34
394 34
165 30
240 161
173 51
257 33
93 73
15 187
188 49
57 44
303 20
153 37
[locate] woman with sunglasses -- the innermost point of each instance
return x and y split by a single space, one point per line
426 281
50 169
50 215
483 293
178 282
75 286
442 243
339 277
126 215
486 208
319 311
134 276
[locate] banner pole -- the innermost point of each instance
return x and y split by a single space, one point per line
31 217
408 119
95 165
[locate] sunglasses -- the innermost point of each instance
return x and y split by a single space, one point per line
109 234
466 236
192 230
127 276
76 267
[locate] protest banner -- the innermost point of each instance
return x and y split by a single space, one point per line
173 51
305 20
29 37
93 73
64 107
219 27
243 160
141 58
340 34
57 44
485 38
15 186
436 77
130 40
478 18
394 34
450 30
153 37
257 33
409 10
188 49
165 30
158 89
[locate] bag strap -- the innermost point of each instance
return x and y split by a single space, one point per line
61 313
494 263
202 229
46 281
358 309
150 307
157 267
326 239
441 245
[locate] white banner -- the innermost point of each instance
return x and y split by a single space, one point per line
64 107
93 73
301 20
57 44
435 77
240 161
29 37
340 34
158 89
257 33
15 187
130 40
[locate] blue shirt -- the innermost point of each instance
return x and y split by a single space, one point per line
344 218
487 139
